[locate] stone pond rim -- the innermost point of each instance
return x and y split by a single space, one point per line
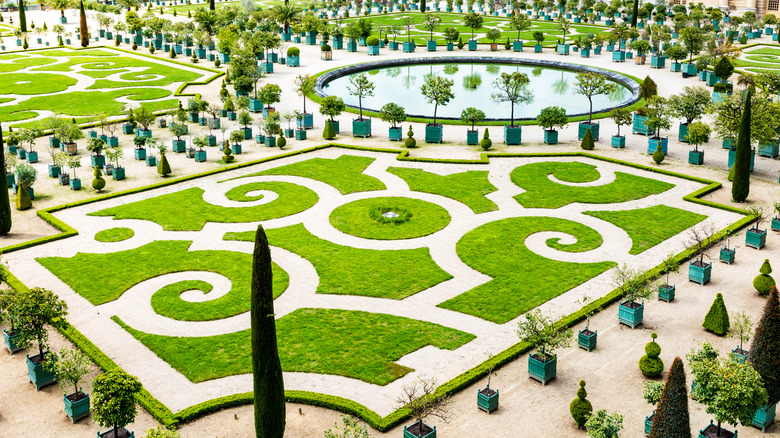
626 81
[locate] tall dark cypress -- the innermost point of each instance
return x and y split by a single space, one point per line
634 13
422 6
212 6
22 17
765 352
5 202
83 30
740 187
266 368
671 418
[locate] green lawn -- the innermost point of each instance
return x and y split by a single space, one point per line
186 210
101 278
650 226
541 192
468 187
114 234
760 58
359 345
357 218
344 270
522 279
344 173
25 84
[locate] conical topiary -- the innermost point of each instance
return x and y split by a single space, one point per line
587 141
5 201
671 418
83 29
580 408
23 201
765 351
22 17
658 155
329 133
486 143
763 281
717 319
172 54
99 182
410 142
163 167
650 364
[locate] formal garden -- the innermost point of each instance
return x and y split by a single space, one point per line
476 192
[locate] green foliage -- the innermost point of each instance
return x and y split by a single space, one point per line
486 142
438 91
650 364
38 309
541 330
604 425
281 142
671 416
765 351
648 88
698 134
5 202
332 106
293 51
70 366
468 187
329 133
23 201
410 142
741 168
591 84
472 116
587 141
99 182
26 175
652 391
352 429
717 319
763 281
552 117
161 431
114 234
392 113
354 218
580 408
691 104
360 87
344 173
732 391
227 154
658 155
113 398
723 69
512 88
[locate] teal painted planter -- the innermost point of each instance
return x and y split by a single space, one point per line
255 105
110 433
98 160
372 50
32 157
537 48
194 118
711 78
293 61
270 141
75 184
657 61
639 126
450 47
675 67
151 160
764 417
54 171
597 50
118 173
619 142
542 371
631 316
711 430
11 342
267 67
289 133
727 255
430 45
300 134
178 146
770 150
144 133
361 128
139 154
267 111
487 399
247 133
587 339
585 53
682 134
517 45
513 135
114 141
472 45
212 140
740 354
305 121
409 434
666 292
699 274
395 134
696 157
755 238
434 133
10 178
689 69
231 115
654 142
550 136
237 149
594 130
775 224
54 141
618 56
732 153
38 375
728 143
92 134
649 423
408 46
128 128
260 139
200 156
562 49
472 137
78 409
718 97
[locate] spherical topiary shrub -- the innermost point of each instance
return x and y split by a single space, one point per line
293 51
717 319
486 142
658 155
325 48
99 182
410 142
763 281
373 40
650 364
281 142
580 407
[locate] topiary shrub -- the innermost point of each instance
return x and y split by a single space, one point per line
293 51
587 141
373 40
580 408
650 364
23 201
151 48
717 319
163 167
486 142
99 182
410 142
217 62
325 48
460 43
172 54
763 281
743 39
723 88
658 155
281 142
329 133
228 154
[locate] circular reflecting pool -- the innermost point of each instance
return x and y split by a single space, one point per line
399 81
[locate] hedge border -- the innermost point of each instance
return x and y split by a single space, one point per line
163 414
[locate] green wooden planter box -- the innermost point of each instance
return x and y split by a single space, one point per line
619 141
300 134
247 133
255 105
775 224
770 150
631 317
54 141
653 142
537 48
585 52
260 138
562 49
178 145
139 153
361 128
675 67
212 140
542 371
430 45
487 402
517 45
98 160
305 121
618 56
594 130
550 136
513 135
699 274
118 173
732 153
658 61
434 133
713 426
38 375
128 128
10 342
666 292
396 134
78 409
472 45
755 238
764 417
270 141
639 126
726 255
54 171
587 341
151 160
472 137
200 156
649 423
408 46
696 157
682 134
408 434
75 184
689 69
740 355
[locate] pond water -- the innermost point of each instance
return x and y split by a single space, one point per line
473 87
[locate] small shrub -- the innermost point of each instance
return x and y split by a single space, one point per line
293 51
135 46
722 88
228 156
325 48
717 319
743 39
23 201
329 133
172 54
410 142
763 281
373 40
580 408
151 48
217 62
507 44
99 182
650 364
163 167
281 142
658 155
587 141
486 142
460 42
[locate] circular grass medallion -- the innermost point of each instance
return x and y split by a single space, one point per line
114 235
389 218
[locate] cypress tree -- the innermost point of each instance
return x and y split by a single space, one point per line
634 13
671 418
5 201
422 6
266 368
765 352
740 188
717 319
22 17
587 141
83 30
212 6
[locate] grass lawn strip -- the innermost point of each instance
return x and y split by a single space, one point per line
34 83
541 192
650 226
114 234
468 187
522 279
101 278
355 344
186 210
345 270
344 173
355 218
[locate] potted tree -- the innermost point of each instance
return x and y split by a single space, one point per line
742 328
114 154
177 144
438 91
300 133
111 138
562 48
304 84
652 394
96 147
755 237
139 149
657 119
69 133
9 311
519 22
245 120
200 154
451 35
472 116
540 330
666 290
550 118
727 254
698 133
431 23
114 393
474 22
74 163
635 288
26 175
145 118
361 87
487 398
493 35
690 105
293 57
423 401
236 137
69 368
776 217
621 117
332 106
38 309
676 54
699 238
393 114
587 338
538 36
269 94
641 47
326 53
591 84
512 88
271 128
